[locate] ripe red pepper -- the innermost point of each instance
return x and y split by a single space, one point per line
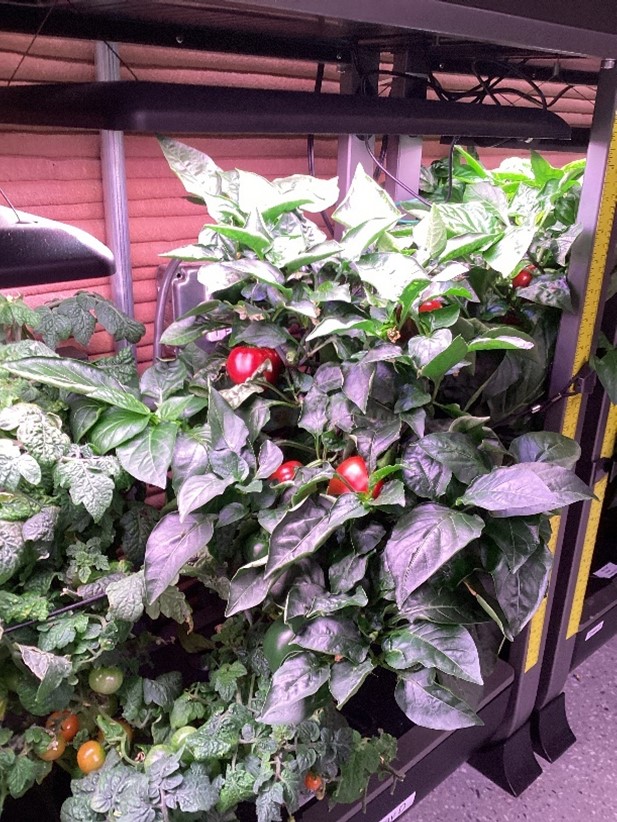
430 305
352 476
286 471
243 361
524 277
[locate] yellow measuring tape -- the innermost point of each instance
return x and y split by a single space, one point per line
591 306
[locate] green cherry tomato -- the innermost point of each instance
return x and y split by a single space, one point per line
155 753
279 644
180 736
105 680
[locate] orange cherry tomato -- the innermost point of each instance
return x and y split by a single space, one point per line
64 724
90 756
56 748
313 782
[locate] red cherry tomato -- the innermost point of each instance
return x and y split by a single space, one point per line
243 361
64 724
90 756
313 782
55 749
352 475
430 305
286 471
524 277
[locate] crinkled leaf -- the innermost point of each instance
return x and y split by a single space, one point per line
126 597
298 677
347 678
336 635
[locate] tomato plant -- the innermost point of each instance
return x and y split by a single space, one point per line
286 471
244 361
55 750
106 680
64 724
352 476
115 726
155 753
278 644
90 756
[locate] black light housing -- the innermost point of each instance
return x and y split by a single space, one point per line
35 250
177 108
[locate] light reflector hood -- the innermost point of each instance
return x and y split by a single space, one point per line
35 250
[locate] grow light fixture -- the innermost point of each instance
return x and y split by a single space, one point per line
134 106
35 250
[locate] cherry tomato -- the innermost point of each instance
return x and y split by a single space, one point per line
56 748
313 782
352 475
155 753
90 756
286 471
105 680
278 644
179 737
430 305
524 277
243 361
64 724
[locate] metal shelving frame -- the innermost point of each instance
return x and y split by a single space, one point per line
527 689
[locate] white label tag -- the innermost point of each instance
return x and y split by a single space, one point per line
593 631
606 571
406 803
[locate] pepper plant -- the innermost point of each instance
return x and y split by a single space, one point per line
343 438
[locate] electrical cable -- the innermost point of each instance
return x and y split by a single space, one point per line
310 147
375 159
32 41
161 303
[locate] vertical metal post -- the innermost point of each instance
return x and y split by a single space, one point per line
355 79
590 266
540 656
114 191
404 159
